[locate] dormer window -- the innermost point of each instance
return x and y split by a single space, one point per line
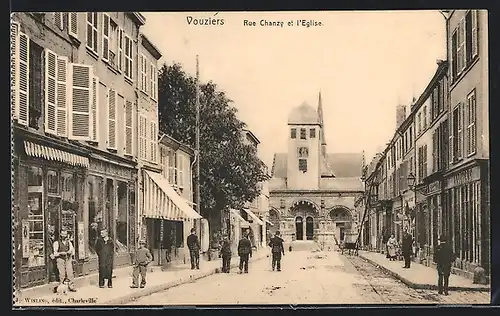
312 133
302 133
293 133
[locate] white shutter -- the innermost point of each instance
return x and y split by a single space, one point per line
62 97
94 134
22 85
129 127
120 49
81 97
112 119
142 137
105 37
475 44
50 91
14 59
58 20
73 24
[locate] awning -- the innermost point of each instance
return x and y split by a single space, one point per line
162 202
270 224
243 222
254 217
48 153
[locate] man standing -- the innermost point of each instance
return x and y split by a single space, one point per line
141 260
407 247
194 249
64 252
225 252
245 252
277 249
443 257
105 249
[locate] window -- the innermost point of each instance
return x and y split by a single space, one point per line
73 24
106 31
35 249
422 162
154 82
129 135
80 108
92 25
461 47
144 74
172 164
128 58
119 39
471 120
153 142
35 86
425 118
94 135
303 165
419 123
302 133
312 133
465 43
142 136
445 135
293 133
112 123
59 20
113 44
434 104
121 222
436 150
454 56
471 46
303 152
180 170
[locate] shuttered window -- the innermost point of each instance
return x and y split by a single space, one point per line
73 24
112 109
94 136
14 35
180 170
154 82
81 83
471 123
128 58
62 97
92 25
50 92
152 136
129 127
120 48
58 20
142 136
475 44
22 87
105 36
144 74
461 62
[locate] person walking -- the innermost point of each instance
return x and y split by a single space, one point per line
105 249
225 252
443 257
142 258
407 249
277 250
194 249
391 247
245 252
63 253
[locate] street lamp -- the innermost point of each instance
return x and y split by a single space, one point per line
411 180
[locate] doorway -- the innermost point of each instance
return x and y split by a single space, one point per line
299 229
309 228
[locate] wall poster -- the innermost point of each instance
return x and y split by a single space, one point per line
26 238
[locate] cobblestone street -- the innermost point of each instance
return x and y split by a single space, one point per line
307 278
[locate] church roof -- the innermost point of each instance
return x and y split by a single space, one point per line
342 165
303 114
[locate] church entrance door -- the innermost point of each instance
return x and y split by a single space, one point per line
309 228
299 228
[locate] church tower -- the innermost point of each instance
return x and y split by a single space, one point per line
304 148
322 126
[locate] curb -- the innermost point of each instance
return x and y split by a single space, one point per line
162 287
422 286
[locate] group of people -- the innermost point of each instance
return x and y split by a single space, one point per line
443 257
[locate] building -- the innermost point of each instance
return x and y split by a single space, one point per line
312 192
466 182
74 165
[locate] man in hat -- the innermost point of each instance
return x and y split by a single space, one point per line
407 248
193 244
225 253
443 257
277 249
245 252
63 253
105 249
142 258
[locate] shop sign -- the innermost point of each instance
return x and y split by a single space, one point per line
463 177
109 169
81 240
26 238
434 187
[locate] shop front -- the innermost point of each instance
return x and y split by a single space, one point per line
110 204
167 219
421 223
239 226
466 195
255 231
48 186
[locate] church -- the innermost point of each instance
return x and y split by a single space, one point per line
312 192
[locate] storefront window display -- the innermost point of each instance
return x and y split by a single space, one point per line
35 236
95 187
121 240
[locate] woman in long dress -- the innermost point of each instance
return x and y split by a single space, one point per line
391 247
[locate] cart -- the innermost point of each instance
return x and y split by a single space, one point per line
350 243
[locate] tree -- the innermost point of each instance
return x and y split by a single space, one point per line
229 168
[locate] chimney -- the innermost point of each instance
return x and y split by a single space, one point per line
400 114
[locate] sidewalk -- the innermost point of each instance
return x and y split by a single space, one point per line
121 293
419 276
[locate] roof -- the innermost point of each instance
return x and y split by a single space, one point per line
353 184
303 115
251 135
342 165
150 47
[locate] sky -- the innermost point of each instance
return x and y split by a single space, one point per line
364 63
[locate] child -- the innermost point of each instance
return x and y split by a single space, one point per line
142 258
